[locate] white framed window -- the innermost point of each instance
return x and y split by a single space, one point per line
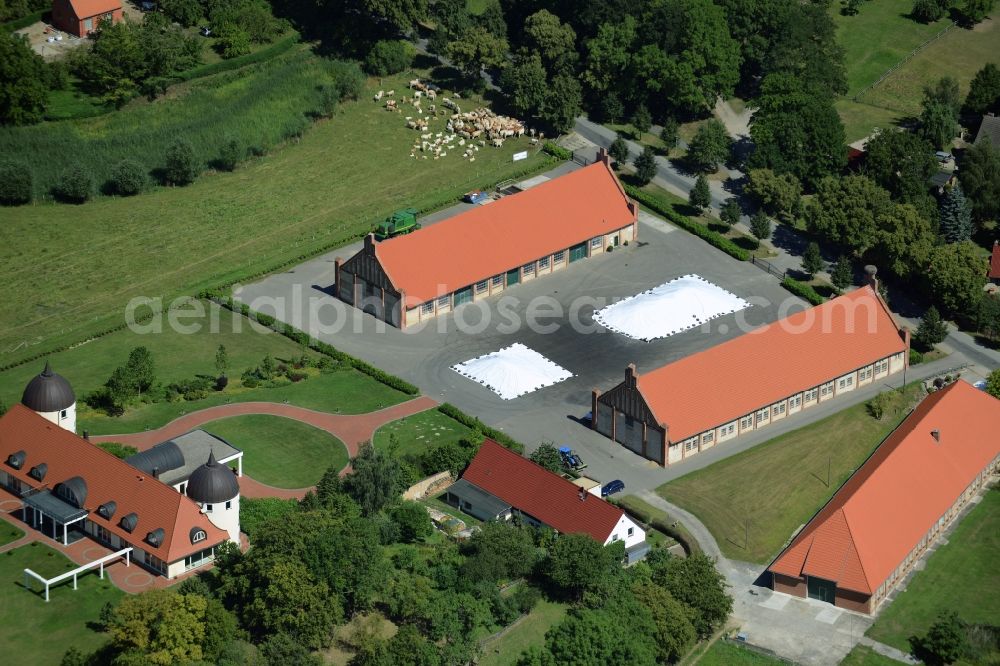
779 408
729 429
229 505
795 402
559 256
528 269
614 537
824 390
690 444
482 286
208 508
764 414
746 422
497 280
63 413
597 242
444 301
708 437
427 308
543 263
631 531
199 536
88 24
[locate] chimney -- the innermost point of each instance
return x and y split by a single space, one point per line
156 472
870 279
602 156
936 434
370 244
630 376
86 435
583 495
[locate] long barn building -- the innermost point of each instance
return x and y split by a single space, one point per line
482 252
753 380
861 545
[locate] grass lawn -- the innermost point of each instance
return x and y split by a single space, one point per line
747 487
529 631
70 270
647 512
960 54
344 391
35 632
176 355
281 452
725 653
860 119
9 533
417 433
863 655
442 506
961 576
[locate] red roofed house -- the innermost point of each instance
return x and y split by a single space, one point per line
476 254
868 536
82 17
499 483
994 273
755 379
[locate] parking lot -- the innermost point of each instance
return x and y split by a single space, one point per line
560 306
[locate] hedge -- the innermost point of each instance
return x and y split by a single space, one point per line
304 339
271 51
472 422
680 535
24 21
802 290
557 151
663 207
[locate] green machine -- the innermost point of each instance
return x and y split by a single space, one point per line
399 223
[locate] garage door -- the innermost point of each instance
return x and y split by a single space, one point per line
463 296
577 252
824 590
514 276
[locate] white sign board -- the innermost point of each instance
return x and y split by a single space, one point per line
523 155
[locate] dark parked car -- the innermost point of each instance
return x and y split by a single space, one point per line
612 487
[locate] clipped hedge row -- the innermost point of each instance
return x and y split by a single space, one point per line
271 51
802 290
304 339
472 422
663 207
24 21
680 535
557 151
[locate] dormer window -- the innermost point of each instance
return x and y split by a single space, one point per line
198 534
16 460
155 538
38 471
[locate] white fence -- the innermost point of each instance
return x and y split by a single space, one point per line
47 582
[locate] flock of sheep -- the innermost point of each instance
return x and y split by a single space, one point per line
469 131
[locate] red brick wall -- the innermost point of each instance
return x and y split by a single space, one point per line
854 601
794 586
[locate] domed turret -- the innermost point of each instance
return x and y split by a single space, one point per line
216 489
50 395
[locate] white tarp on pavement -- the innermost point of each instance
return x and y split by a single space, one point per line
676 306
513 371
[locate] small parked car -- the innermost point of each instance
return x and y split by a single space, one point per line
612 487
205 31
475 197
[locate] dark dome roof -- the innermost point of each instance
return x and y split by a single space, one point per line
163 457
48 392
212 483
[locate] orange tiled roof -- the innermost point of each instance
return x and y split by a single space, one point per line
877 517
488 240
770 363
538 492
90 8
108 479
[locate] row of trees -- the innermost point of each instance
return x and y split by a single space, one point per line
238 24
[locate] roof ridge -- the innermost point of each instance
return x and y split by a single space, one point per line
854 545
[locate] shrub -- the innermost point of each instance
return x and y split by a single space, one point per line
412 521
389 56
128 178
760 226
348 78
233 42
927 11
221 382
256 511
645 165
16 183
802 290
916 358
557 151
74 185
931 331
877 405
182 166
118 450
231 155
641 120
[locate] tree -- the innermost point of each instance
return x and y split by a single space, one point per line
731 211
901 162
984 90
413 521
128 178
16 183
618 150
669 133
553 41
589 636
847 211
645 165
161 625
812 259
23 82
979 174
376 481
231 154
492 19
955 276
182 165
74 185
993 383
608 55
842 274
700 196
409 647
185 12
927 11
389 56
760 226
562 104
777 194
944 643
938 123
695 582
674 631
710 146
931 330
975 11
233 40
140 369
475 49
547 456
641 120
526 83
850 7
903 241
956 216
577 563
499 552
221 360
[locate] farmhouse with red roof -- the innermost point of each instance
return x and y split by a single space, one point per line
868 536
760 377
499 483
82 17
468 257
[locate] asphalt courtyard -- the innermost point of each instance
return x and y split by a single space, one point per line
562 306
